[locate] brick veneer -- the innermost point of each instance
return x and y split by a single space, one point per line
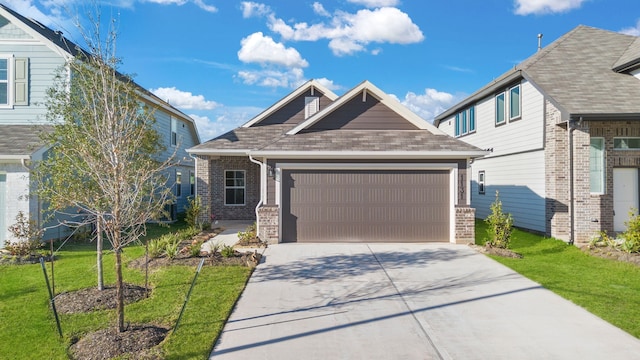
203 187
465 225
268 223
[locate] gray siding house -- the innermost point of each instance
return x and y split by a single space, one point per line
315 167
563 131
30 53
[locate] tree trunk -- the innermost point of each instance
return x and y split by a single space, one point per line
119 290
99 250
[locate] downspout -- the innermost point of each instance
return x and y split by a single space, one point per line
571 124
261 194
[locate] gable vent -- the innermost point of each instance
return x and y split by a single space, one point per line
311 106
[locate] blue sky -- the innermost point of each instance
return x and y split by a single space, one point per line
222 61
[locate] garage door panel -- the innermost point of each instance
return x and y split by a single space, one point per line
365 206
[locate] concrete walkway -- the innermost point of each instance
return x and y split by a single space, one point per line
406 301
229 236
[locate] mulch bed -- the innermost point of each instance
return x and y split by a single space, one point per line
92 299
612 254
138 342
496 251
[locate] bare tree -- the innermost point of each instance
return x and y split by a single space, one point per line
105 157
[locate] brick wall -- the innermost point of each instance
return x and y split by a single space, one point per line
203 187
217 189
268 223
465 225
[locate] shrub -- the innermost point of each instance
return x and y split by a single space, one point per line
195 248
192 211
27 234
214 247
227 251
172 249
156 248
631 236
248 236
500 226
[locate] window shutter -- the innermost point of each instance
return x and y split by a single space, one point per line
20 81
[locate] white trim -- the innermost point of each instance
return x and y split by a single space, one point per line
311 84
427 155
225 152
385 99
10 80
453 180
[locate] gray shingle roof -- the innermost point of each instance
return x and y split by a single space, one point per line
629 57
368 140
244 139
20 140
577 72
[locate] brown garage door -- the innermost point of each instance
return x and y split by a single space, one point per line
365 206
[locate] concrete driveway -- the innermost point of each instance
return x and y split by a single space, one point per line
406 301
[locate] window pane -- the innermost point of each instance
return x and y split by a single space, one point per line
472 119
596 165
626 143
235 196
457 124
464 122
4 69
500 108
4 98
514 102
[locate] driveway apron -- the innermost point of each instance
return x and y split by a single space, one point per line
406 301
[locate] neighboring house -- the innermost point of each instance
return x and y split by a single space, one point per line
30 53
315 167
563 131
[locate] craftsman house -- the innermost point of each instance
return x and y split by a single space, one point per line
563 133
30 53
315 167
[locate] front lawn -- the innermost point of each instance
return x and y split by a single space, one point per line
607 288
27 325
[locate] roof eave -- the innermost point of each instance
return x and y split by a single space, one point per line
480 94
370 155
605 116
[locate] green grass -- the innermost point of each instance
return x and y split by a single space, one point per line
27 325
607 288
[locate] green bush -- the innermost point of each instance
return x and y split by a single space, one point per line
500 226
192 211
195 248
628 241
156 248
227 251
27 234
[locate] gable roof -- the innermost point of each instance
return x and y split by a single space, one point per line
577 73
67 48
311 85
18 142
370 89
289 141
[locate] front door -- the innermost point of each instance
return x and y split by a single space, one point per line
625 196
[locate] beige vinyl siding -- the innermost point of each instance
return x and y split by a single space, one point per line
520 179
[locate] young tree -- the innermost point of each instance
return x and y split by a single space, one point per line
104 159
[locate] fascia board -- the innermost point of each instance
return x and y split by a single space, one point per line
370 154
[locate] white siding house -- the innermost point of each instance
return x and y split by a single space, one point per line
30 55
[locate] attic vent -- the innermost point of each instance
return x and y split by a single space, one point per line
311 106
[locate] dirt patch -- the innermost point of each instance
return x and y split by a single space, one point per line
496 251
612 253
8 259
239 259
92 299
137 342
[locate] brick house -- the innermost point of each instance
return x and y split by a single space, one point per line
316 167
563 131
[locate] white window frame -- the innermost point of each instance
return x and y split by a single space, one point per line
519 115
462 124
623 138
602 170
482 182
178 184
8 81
174 132
243 187
504 108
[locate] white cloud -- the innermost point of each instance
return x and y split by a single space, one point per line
225 119
257 48
253 9
329 84
375 3
184 99
350 33
320 10
429 104
200 3
635 31
539 7
290 78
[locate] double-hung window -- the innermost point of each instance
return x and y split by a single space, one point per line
481 182
597 168
178 184
514 102
174 132
234 187
500 105
465 121
192 183
4 81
